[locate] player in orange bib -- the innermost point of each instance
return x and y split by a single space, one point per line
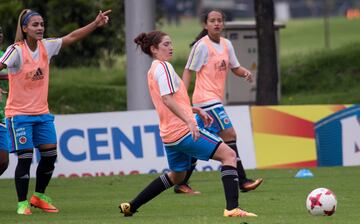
210 58
30 123
181 136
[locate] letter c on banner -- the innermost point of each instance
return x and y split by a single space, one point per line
64 139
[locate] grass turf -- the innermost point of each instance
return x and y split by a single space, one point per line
281 199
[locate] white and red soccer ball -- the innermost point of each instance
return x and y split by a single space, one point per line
321 201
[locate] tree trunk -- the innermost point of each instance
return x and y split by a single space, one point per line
267 78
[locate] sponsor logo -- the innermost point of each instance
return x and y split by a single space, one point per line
38 75
22 140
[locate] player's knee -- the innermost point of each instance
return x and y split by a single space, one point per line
23 166
229 157
48 159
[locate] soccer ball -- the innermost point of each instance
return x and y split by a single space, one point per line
321 201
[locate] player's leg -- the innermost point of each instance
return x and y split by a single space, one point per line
155 188
229 136
229 177
184 187
45 139
4 160
4 148
210 146
20 132
178 164
22 177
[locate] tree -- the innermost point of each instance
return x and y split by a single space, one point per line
63 16
267 79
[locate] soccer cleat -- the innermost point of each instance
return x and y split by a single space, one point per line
250 185
23 208
238 212
43 202
125 209
185 189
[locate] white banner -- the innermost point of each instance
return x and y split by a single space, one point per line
121 143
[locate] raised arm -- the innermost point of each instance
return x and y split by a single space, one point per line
82 32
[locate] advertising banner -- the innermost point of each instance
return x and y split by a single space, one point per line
338 138
284 135
121 143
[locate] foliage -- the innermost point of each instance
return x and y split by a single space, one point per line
334 70
9 12
62 17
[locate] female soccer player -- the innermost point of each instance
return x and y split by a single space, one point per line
27 114
4 136
210 57
180 134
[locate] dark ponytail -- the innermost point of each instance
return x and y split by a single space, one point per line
146 40
204 18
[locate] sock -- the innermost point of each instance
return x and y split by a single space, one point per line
240 168
189 172
22 174
230 180
157 186
45 169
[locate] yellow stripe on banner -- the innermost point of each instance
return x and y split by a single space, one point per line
275 150
312 113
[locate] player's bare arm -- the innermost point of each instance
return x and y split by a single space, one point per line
101 20
244 73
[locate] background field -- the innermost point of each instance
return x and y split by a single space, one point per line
310 74
280 200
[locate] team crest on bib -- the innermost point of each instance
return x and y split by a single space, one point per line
22 140
227 120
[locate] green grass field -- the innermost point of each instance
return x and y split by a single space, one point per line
280 200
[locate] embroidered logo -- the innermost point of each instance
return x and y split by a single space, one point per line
22 140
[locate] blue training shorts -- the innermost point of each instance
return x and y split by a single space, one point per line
179 153
4 138
30 131
219 115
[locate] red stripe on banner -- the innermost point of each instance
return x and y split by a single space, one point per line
311 163
269 121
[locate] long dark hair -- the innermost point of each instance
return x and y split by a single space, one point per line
204 18
146 40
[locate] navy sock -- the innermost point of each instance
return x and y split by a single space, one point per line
45 169
22 174
230 181
157 186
